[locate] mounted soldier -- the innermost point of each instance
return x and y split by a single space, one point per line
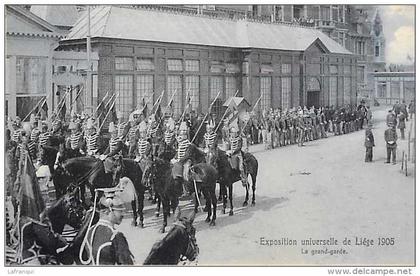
17 129
75 143
236 154
182 162
122 127
133 134
107 246
144 148
153 134
92 139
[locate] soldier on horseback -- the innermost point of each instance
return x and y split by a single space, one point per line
236 154
132 135
92 139
75 142
182 162
122 127
144 148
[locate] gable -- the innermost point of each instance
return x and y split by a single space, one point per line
19 20
316 48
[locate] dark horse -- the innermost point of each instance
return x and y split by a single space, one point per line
159 172
203 177
228 175
179 243
91 172
38 244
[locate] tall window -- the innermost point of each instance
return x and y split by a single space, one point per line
145 64
325 13
335 13
192 84
286 89
230 86
381 89
124 89
144 90
376 51
175 84
174 64
347 90
192 65
286 68
216 85
265 92
360 74
333 90
30 75
124 63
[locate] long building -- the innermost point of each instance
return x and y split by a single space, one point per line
144 52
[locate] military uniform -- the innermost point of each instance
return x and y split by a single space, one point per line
105 245
92 140
401 124
369 143
236 154
391 138
75 141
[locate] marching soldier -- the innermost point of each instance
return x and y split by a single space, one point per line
236 154
107 246
92 139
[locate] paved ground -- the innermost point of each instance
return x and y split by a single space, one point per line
321 191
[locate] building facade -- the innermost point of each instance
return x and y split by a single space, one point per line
392 87
199 56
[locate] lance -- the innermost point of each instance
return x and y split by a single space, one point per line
77 96
188 100
224 114
58 112
158 99
40 107
106 95
109 111
38 103
252 110
172 97
61 102
107 104
202 122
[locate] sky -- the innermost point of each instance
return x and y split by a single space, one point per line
399 29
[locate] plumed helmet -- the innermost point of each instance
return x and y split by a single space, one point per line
43 171
90 124
234 130
111 127
120 115
183 128
73 125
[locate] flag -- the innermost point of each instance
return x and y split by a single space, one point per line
30 198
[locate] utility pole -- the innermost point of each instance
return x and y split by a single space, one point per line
89 97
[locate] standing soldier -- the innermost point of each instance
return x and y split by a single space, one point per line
391 138
391 119
301 130
236 154
369 143
401 124
107 246
412 108
92 139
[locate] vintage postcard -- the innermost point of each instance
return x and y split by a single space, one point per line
210 135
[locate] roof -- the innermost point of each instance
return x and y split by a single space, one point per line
57 15
41 26
158 26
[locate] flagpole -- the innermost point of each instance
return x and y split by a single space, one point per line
256 103
106 95
106 116
202 122
224 114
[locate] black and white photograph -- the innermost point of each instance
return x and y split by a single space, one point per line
210 134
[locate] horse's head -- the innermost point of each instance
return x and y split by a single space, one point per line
186 223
